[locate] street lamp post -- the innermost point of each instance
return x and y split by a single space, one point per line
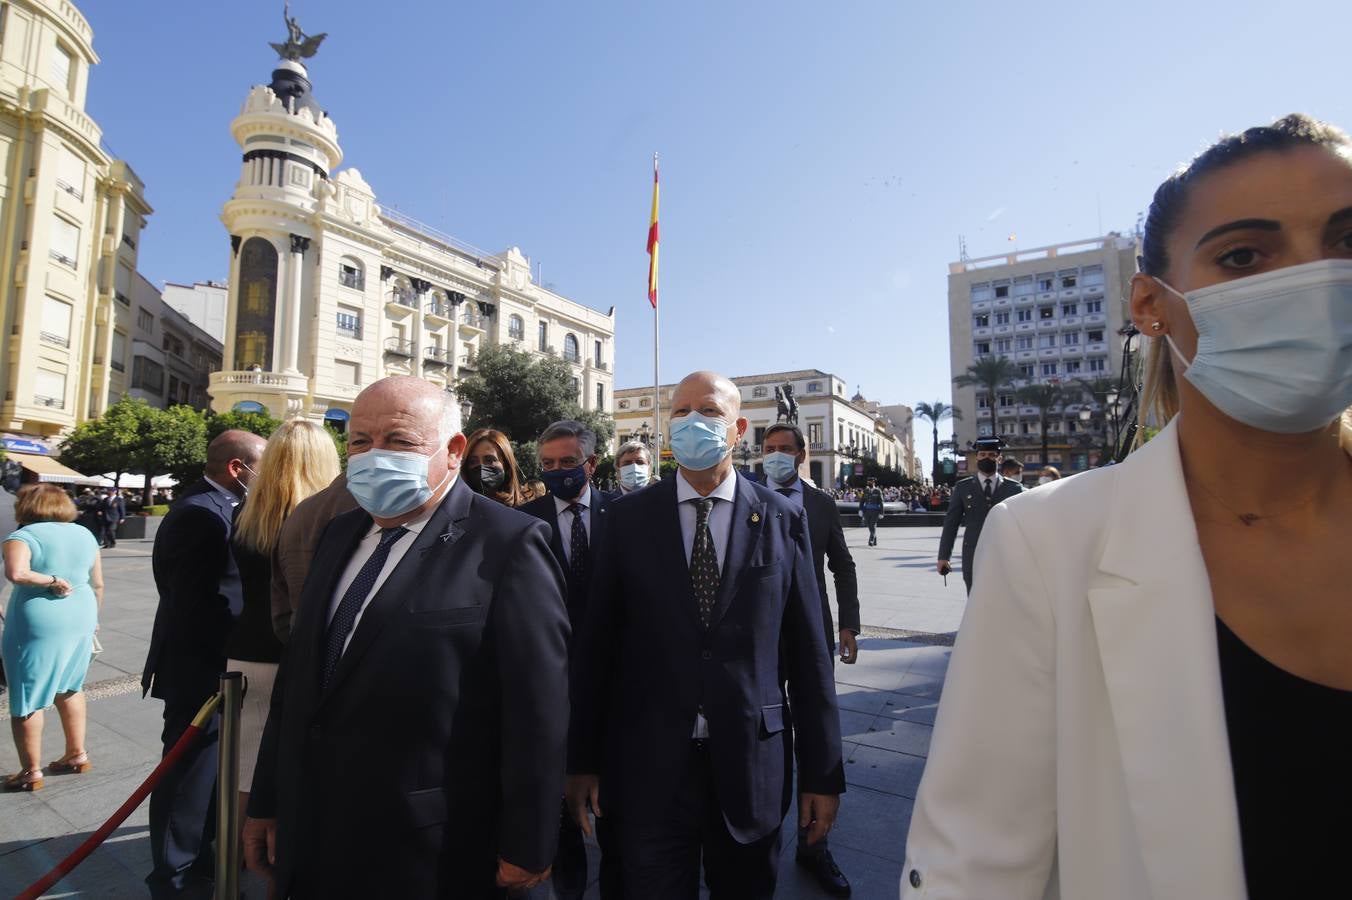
744 450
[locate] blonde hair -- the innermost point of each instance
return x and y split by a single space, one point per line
299 460
43 503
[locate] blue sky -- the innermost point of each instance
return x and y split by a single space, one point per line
819 161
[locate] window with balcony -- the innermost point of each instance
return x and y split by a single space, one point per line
1048 369
119 356
1026 371
516 327
1068 281
147 375
983 348
981 291
1096 336
55 322
544 337
49 389
1002 290
65 242
1024 342
1002 318
814 433
1073 367
172 344
1071 339
983 402
1092 276
1070 309
1025 315
1046 340
348 325
1046 312
351 274
1023 285
1006 400
570 349
1044 282
577 389
1002 345
70 173
1098 365
981 320
145 321
1093 306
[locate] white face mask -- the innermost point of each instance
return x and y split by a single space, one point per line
1044 479
1274 351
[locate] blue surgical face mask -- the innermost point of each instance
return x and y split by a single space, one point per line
566 484
1274 351
782 468
634 475
389 483
699 442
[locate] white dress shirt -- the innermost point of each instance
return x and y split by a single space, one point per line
720 515
364 551
992 480
229 495
720 529
795 495
565 519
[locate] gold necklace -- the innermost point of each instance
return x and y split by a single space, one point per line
1249 518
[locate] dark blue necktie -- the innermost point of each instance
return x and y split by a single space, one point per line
577 551
353 599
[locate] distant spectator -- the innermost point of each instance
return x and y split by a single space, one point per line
1012 469
49 630
1048 474
112 509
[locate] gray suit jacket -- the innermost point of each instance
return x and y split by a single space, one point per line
296 547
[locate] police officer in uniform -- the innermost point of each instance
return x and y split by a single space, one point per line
972 498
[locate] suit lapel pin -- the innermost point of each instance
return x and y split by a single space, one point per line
755 518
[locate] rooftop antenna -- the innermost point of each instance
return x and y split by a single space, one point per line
962 249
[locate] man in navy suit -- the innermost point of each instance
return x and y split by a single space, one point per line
200 597
416 741
704 606
575 512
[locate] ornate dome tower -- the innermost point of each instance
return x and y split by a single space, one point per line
290 146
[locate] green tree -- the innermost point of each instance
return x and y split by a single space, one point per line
935 413
170 441
1096 390
990 374
520 395
1044 397
259 423
106 444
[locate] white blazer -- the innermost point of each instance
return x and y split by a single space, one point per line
1081 747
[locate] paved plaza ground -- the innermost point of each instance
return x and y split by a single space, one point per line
887 706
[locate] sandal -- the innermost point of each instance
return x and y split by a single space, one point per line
25 781
75 765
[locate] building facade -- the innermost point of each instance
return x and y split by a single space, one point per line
840 432
70 220
328 292
202 303
170 358
1059 314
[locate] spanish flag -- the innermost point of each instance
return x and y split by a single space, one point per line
652 243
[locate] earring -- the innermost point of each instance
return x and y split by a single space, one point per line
1156 326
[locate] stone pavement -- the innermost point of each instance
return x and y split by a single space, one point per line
887 703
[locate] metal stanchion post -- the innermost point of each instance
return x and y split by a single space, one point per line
227 789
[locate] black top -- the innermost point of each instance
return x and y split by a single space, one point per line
1290 746
252 639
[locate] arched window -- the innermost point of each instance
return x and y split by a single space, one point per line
516 328
351 273
570 349
257 311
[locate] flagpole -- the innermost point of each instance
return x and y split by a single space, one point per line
657 366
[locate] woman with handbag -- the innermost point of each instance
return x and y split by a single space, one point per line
54 566
1151 692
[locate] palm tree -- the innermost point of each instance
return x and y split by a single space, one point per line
1044 397
936 412
990 373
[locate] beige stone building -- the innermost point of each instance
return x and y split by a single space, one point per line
1058 314
329 291
70 220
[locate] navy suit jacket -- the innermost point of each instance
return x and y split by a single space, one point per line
546 510
439 744
643 664
200 597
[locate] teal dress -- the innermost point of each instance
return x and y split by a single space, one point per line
48 639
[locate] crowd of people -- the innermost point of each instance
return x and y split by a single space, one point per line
456 677
915 499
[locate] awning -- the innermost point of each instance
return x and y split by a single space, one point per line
50 471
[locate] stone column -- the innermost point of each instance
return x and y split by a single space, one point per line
296 271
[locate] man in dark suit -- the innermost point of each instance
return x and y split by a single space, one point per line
200 597
783 452
415 745
972 498
704 606
113 511
575 512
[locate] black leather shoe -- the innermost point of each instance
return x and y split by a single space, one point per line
827 873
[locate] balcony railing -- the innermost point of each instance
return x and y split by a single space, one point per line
122 298
353 280
70 189
404 298
398 347
53 402
473 320
603 366
574 358
351 332
467 362
118 366
54 339
440 310
61 258
434 356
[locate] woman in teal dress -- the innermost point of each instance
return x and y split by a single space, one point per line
49 627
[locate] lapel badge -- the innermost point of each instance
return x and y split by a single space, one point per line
755 518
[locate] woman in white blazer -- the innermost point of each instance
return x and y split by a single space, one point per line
1151 692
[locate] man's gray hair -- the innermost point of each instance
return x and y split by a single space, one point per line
630 447
448 424
568 428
